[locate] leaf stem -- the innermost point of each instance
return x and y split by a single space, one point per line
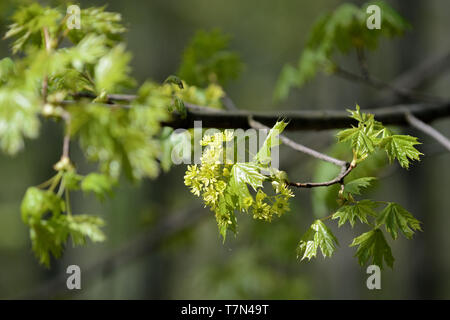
67 198
56 180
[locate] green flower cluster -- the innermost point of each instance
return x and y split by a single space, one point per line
223 184
210 179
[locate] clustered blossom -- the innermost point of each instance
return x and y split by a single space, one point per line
265 206
210 180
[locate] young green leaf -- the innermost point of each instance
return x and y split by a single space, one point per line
226 220
396 218
100 184
37 202
123 140
82 226
112 70
48 237
88 51
361 210
71 180
238 189
355 186
97 21
401 147
362 143
45 242
289 77
341 31
373 245
247 173
174 80
7 68
264 154
317 236
18 118
28 23
180 107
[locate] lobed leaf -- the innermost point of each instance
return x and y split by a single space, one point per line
99 184
272 140
401 147
373 246
396 218
355 186
317 236
360 209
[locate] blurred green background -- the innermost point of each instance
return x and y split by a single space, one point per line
139 260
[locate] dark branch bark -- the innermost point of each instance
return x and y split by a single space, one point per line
339 179
346 167
307 120
298 119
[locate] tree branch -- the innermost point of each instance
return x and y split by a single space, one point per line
307 120
339 179
346 167
429 130
299 120
228 103
299 147
66 144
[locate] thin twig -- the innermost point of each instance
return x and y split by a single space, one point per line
346 167
48 47
48 43
299 147
427 129
66 144
228 103
339 179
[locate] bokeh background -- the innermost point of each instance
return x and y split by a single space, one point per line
162 244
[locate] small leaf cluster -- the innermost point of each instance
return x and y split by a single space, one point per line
372 245
45 75
69 75
370 135
224 185
340 31
46 210
122 140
